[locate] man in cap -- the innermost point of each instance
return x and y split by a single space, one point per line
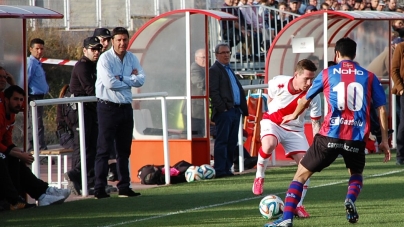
380 6
105 37
82 83
311 8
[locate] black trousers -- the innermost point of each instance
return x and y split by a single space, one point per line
23 179
400 133
115 123
91 135
7 189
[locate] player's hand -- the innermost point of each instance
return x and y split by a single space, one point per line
384 147
288 118
135 72
27 158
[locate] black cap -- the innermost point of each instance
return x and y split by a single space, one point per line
295 1
310 7
103 32
92 42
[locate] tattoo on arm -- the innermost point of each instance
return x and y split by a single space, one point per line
316 126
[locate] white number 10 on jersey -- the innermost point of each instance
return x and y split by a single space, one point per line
353 96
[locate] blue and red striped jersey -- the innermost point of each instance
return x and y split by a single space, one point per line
350 91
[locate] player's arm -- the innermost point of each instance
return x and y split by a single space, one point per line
303 103
315 124
384 145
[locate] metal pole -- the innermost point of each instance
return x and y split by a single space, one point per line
84 189
165 141
156 7
240 146
35 165
128 24
98 13
66 8
188 73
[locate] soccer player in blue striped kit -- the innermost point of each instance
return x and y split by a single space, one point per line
348 90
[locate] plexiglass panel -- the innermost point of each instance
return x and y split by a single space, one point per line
162 50
11 58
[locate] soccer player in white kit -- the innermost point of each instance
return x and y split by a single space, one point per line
284 94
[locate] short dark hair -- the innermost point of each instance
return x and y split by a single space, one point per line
305 64
36 41
221 45
346 47
8 93
119 31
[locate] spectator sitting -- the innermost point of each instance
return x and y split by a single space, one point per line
357 5
344 7
294 6
374 4
381 6
310 9
325 6
391 6
231 30
16 160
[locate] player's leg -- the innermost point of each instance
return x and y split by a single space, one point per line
296 145
292 198
355 162
316 159
269 141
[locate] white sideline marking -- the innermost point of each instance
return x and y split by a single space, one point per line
240 200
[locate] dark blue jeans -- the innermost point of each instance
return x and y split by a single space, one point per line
114 123
227 124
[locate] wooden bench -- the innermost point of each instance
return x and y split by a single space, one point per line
57 153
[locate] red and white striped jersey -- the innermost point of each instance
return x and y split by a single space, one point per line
284 102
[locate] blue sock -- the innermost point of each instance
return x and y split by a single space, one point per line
293 196
354 187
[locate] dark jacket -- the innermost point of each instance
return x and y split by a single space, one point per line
82 81
221 92
397 69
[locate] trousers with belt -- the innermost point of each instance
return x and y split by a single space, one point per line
115 124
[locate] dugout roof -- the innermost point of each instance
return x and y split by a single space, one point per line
26 12
326 27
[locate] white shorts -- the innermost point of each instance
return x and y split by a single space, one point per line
292 142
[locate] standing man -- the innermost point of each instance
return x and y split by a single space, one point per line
104 35
37 89
117 72
284 94
397 69
348 90
82 83
197 89
228 104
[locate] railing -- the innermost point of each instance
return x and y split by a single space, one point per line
260 87
249 39
80 100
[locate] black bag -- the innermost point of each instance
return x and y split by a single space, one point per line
152 174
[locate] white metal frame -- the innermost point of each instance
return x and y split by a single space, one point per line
80 100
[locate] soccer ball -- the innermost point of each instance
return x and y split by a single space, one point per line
193 173
208 171
271 206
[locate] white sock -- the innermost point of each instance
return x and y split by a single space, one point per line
305 186
261 166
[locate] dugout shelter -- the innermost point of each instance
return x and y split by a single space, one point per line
165 47
14 21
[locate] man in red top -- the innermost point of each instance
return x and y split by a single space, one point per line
15 176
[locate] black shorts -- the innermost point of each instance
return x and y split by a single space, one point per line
325 150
